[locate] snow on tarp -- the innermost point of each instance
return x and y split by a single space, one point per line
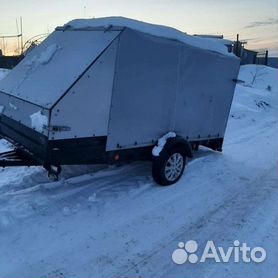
152 29
40 59
38 121
44 57
218 40
51 68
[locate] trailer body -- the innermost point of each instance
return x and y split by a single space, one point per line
86 94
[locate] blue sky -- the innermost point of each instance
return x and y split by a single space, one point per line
254 20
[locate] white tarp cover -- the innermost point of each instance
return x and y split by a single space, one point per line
152 29
49 70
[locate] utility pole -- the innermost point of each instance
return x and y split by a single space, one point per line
266 58
17 36
21 35
3 44
237 46
17 30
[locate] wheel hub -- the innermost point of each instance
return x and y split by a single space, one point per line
174 166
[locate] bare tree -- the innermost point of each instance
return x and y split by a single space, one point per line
257 74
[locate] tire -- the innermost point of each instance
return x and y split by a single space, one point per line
168 167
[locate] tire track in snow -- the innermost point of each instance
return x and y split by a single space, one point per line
226 212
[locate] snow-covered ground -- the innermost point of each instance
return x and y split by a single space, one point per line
101 221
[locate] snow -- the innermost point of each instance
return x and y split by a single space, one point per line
152 29
44 57
259 76
225 42
56 64
39 121
161 143
14 107
4 73
31 65
101 221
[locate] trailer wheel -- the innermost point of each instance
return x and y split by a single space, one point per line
168 167
54 172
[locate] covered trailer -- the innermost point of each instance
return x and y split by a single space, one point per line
105 90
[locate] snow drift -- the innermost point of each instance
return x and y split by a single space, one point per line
259 77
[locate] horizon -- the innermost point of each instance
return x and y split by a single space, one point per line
255 21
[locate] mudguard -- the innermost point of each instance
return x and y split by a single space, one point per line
179 141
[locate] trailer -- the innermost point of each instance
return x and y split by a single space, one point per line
113 90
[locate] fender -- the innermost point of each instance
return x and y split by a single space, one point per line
179 141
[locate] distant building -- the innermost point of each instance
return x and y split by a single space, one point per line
248 56
271 61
